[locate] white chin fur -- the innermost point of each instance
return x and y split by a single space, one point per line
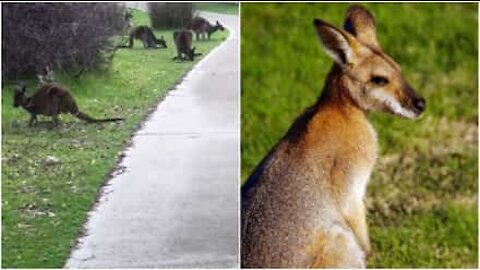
393 105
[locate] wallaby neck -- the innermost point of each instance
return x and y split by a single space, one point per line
336 94
335 106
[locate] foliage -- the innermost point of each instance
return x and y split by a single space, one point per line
67 37
170 15
230 8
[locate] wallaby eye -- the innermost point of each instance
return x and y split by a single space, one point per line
379 80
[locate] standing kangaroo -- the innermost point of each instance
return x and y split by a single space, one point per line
146 35
202 27
51 99
183 42
303 204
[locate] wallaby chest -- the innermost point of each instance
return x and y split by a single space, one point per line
307 185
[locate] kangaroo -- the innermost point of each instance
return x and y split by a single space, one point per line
146 35
51 99
303 204
202 27
183 42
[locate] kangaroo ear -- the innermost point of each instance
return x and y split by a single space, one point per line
338 44
360 23
21 88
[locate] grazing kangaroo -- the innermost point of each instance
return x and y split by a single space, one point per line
146 35
183 42
202 27
51 99
303 204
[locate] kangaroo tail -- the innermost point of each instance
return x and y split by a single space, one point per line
197 54
89 119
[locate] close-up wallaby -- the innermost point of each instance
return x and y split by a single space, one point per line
146 35
183 42
203 28
303 204
52 99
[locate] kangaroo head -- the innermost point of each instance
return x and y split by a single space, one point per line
161 42
373 80
19 97
219 26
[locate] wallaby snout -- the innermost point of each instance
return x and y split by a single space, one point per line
417 104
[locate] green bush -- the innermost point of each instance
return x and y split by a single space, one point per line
170 15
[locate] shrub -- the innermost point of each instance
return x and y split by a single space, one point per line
69 37
170 15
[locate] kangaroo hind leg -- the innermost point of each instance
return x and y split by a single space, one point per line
33 120
55 110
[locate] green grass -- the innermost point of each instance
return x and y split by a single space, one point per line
422 197
45 205
224 8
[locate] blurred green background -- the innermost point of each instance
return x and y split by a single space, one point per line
422 197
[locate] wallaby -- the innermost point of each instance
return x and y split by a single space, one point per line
183 42
303 204
202 27
146 35
51 99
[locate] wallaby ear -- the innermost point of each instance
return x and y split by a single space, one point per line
360 23
338 44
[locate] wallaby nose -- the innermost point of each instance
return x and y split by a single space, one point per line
419 105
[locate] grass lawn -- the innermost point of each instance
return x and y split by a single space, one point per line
225 8
44 204
422 197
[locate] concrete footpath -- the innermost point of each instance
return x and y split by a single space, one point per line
176 203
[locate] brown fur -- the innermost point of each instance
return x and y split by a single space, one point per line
183 42
52 99
146 35
202 27
303 204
